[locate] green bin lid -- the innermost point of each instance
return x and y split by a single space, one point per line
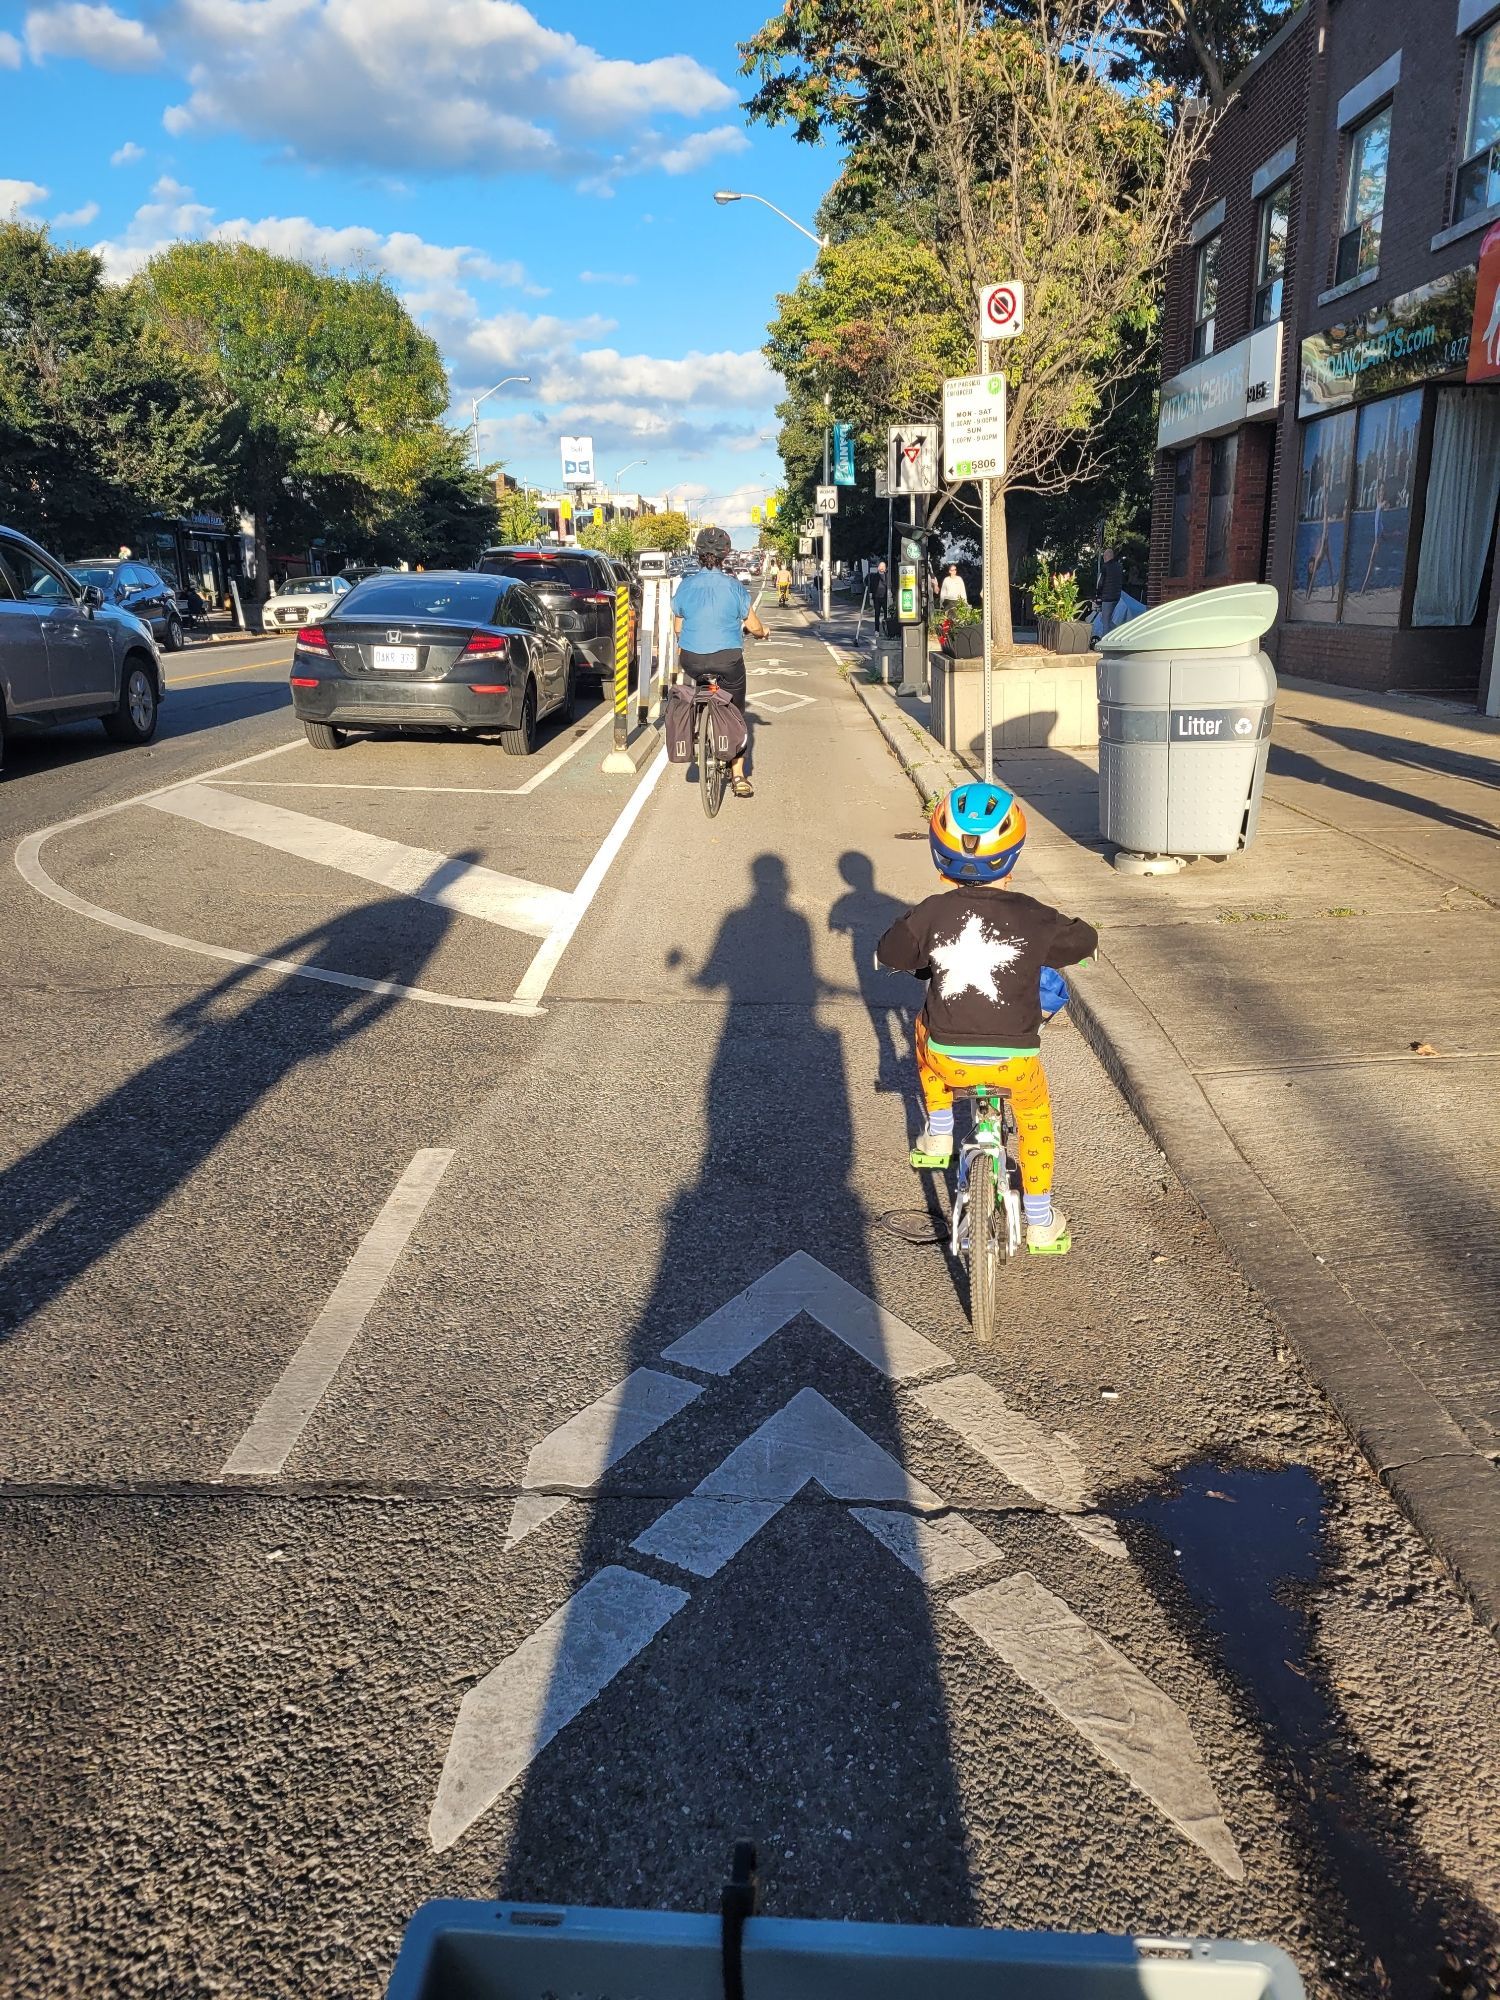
1235 616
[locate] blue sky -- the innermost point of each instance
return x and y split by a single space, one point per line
536 181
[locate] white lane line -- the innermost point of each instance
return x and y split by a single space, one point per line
807 1441
799 1283
572 751
520 1705
419 872
29 868
1040 1463
578 1453
535 980
1124 1716
935 1551
282 1417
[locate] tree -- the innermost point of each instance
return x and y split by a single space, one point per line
100 426
520 522
1199 43
991 141
332 392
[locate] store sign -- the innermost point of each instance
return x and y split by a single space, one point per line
1221 392
1421 334
1484 332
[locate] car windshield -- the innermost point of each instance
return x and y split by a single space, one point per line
465 599
573 572
101 574
306 583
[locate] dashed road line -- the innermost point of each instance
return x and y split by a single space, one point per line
283 1416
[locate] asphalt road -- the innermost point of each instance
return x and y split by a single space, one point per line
381 1143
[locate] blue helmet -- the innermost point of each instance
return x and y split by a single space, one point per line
977 832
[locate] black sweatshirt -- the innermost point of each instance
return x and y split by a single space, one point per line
982 951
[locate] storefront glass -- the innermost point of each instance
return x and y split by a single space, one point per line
1224 459
1182 514
1354 513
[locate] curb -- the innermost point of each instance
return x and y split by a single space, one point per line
637 751
1447 1489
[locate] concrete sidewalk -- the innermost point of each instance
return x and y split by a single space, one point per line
1310 1032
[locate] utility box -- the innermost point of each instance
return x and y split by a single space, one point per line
1186 703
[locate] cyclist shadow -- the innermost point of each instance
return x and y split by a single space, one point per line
794 1694
864 915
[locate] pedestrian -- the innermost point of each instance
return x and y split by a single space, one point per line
1111 584
953 589
880 596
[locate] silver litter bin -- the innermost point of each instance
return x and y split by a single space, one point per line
1186 703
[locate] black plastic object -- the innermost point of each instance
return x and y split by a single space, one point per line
740 1899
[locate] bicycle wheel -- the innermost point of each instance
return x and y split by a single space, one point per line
986 1247
711 773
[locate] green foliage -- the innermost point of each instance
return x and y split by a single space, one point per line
519 521
1055 593
100 425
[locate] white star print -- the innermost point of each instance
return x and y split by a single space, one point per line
972 959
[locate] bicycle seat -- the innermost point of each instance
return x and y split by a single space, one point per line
971 1092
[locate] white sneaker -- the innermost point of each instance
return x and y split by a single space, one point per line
1049 1239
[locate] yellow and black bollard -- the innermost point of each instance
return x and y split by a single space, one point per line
622 664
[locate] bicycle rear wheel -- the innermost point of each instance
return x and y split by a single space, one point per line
712 774
987 1247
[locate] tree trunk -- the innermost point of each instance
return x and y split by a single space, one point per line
997 578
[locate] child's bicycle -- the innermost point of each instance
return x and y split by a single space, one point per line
988 1219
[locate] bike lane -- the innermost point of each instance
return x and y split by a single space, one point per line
664 1498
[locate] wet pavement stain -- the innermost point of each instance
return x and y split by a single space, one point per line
1248 1545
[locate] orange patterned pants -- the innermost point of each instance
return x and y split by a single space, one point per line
1022 1076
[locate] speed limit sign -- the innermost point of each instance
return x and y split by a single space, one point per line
1002 310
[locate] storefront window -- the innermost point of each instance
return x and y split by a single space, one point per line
1354 513
1364 197
1463 487
1477 186
1182 514
1205 295
1270 255
1224 458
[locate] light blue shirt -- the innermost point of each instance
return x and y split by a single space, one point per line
713 608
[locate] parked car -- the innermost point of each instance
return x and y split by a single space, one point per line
138 588
301 600
65 653
436 649
584 580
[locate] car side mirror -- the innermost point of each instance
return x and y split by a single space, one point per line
93 597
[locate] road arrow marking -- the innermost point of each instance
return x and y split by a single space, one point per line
807 1442
419 872
1040 1463
578 1454
935 1551
799 1283
1108 1700
517 1709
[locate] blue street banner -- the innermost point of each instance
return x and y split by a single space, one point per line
843 454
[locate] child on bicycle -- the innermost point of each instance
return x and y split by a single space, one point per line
981 947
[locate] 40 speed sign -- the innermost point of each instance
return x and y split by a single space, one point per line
974 427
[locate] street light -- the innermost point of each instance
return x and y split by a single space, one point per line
621 474
478 462
726 195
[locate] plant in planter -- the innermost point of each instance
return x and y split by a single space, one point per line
961 631
1057 602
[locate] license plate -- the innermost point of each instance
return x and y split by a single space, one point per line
394 658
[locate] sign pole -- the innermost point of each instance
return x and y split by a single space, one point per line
988 667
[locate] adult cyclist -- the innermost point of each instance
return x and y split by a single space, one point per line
711 612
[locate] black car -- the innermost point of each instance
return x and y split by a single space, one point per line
436 649
137 588
584 581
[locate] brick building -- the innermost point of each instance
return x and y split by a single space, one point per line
1330 413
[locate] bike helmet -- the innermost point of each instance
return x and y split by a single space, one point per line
977 833
713 545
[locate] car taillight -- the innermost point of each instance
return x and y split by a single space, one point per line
302 681
496 687
593 597
483 644
312 639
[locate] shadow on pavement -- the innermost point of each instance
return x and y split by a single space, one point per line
1286 763
793 1696
73 1198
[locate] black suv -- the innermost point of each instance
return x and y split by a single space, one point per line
138 589
579 580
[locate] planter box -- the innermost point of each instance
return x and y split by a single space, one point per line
1044 703
1071 635
965 642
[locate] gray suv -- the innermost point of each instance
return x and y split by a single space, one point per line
65 654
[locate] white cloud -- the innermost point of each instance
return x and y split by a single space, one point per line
94 34
606 277
17 196
442 86
127 155
729 380
700 147
10 52
76 218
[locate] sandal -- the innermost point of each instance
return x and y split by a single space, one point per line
743 789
